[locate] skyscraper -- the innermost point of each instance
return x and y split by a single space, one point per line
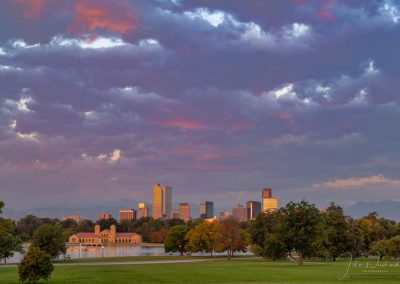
142 210
162 201
239 213
269 204
253 208
206 209
128 215
184 211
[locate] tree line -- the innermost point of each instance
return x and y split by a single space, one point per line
296 231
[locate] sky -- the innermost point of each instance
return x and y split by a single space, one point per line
101 99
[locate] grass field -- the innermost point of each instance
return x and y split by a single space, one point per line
218 271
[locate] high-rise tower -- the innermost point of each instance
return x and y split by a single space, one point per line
162 201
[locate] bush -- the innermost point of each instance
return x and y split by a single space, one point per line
35 265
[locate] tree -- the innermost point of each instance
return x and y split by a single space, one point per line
127 225
159 236
300 229
334 237
9 244
380 248
106 223
175 240
35 265
394 247
229 237
371 229
202 238
265 235
1 206
50 239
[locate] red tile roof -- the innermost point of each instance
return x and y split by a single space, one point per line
87 235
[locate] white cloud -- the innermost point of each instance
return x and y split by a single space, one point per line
28 136
23 103
391 11
115 155
371 69
21 44
296 31
285 92
6 68
357 182
2 52
97 43
360 98
102 156
213 18
324 91
13 124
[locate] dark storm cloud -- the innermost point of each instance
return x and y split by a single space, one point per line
217 97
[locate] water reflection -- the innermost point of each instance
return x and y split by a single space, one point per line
75 252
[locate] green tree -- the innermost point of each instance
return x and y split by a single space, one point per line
50 239
300 229
265 234
106 223
127 226
202 238
176 239
35 265
394 247
1 206
335 231
371 229
380 248
9 244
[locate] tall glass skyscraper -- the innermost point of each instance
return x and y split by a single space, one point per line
162 201
206 209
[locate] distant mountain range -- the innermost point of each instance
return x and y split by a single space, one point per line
387 209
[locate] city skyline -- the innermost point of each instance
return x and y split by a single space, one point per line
216 98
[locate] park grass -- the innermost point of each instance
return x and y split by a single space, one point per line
219 271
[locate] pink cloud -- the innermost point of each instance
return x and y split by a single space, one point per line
32 9
181 123
90 16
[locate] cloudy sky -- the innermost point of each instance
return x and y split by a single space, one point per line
100 99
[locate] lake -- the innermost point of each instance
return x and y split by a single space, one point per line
75 252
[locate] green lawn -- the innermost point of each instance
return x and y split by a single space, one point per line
218 271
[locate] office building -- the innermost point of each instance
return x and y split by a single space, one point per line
269 204
104 216
184 211
162 201
239 213
206 209
253 209
223 215
127 215
143 211
175 214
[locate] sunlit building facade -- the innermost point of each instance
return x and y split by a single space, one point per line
127 215
143 211
184 211
269 204
98 237
162 201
